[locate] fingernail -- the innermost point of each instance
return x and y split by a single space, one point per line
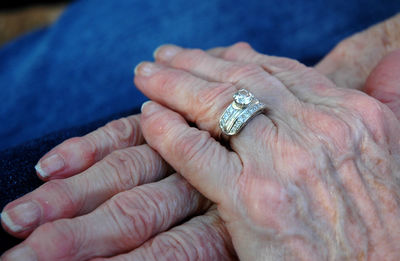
137 68
144 104
21 253
50 165
166 52
156 51
146 69
148 107
21 217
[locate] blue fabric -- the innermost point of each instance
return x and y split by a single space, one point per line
80 69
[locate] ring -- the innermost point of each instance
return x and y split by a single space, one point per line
243 108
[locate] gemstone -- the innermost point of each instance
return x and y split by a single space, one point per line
243 97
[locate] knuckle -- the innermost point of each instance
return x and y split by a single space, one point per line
188 58
372 114
237 72
169 80
234 52
213 101
281 65
344 47
87 150
241 45
334 126
374 107
390 29
370 109
160 126
61 236
125 166
175 248
121 132
72 142
334 131
192 147
134 215
61 193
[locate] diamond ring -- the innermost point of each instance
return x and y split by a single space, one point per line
243 108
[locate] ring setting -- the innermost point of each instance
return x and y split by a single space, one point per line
243 108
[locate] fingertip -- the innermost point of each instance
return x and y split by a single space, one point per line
20 219
9 224
166 52
136 70
69 158
149 109
156 120
157 50
49 165
143 105
40 172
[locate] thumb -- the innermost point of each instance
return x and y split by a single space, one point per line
384 82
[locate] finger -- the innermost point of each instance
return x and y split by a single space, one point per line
62 198
77 154
122 223
198 100
207 165
242 75
201 238
217 51
352 60
302 81
384 82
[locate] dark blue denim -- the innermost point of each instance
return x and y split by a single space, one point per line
80 69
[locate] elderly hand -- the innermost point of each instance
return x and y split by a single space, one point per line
316 177
78 154
353 59
109 196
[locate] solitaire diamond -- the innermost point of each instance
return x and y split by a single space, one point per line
243 98
243 108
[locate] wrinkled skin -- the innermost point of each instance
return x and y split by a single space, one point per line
353 59
112 159
314 178
114 199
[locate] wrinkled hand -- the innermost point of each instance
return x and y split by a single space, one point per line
348 65
109 194
369 61
351 62
314 178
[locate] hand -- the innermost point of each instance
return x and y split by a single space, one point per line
109 194
369 61
314 178
351 62
88 155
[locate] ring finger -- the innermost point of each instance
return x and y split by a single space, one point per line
187 87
